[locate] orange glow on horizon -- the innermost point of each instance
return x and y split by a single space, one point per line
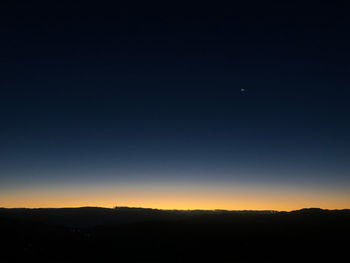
166 197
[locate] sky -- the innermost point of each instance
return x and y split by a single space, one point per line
240 106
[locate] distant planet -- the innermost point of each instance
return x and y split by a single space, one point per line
242 90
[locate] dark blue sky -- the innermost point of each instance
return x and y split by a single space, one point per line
94 92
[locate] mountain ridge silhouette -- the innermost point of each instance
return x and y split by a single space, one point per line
124 234
94 216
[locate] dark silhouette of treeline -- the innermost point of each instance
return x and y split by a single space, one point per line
124 234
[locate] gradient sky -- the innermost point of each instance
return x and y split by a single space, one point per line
141 105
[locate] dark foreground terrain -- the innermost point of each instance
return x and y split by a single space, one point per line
146 235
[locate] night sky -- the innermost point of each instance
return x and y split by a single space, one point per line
241 106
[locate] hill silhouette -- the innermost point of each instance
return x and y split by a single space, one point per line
93 216
92 234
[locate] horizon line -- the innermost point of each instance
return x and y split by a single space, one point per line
171 209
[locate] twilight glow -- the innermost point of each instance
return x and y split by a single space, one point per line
193 112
